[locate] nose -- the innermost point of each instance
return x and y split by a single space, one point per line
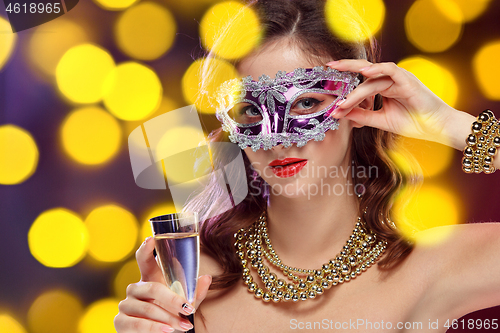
278 147
281 148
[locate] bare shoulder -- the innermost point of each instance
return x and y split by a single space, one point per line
445 243
462 266
445 237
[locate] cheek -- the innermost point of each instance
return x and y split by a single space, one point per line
334 147
341 135
257 159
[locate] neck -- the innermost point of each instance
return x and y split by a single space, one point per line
306 233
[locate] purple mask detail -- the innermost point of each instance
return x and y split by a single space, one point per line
293 107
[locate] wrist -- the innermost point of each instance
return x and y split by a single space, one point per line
457 128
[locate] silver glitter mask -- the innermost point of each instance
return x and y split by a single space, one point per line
293 107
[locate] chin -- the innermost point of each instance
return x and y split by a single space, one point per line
295 187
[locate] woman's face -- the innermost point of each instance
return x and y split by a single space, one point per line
319 167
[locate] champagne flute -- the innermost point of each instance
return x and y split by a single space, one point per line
177 244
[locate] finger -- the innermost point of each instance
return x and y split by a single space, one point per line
126 324
364 117
161 295
202 288
148 310
397 74
371 70
352 65
147 263
367 89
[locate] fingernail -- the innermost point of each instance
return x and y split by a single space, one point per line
187 308
147 239
185 325
364 68
167 329
208 276
340 102
335 62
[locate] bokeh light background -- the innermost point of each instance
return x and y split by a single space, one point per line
72 90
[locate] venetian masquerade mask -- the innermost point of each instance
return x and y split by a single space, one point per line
293 107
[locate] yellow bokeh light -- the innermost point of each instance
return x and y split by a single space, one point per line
56 311
179 145
132 91
7 41
356 20
487 70
189 9
432 157
115 4
433 76
202 79
449 9
405 161
81 72
51 40
145 31
146 230
429 29
230 29
99 316
10 325
158 210
178 140
58 238
167 104
91 135
462 10
426 208
113 233
18 155
129 273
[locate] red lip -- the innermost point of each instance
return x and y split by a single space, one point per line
288 160
287 167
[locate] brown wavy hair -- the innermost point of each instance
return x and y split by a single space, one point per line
302 22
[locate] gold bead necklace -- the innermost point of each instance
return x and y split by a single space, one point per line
253 244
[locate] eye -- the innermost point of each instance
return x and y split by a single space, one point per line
245 113
307 103
250 111
310 102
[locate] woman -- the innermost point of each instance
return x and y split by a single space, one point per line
411 288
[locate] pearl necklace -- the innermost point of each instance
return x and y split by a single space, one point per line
253 244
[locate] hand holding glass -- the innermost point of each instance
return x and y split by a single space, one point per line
177 245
